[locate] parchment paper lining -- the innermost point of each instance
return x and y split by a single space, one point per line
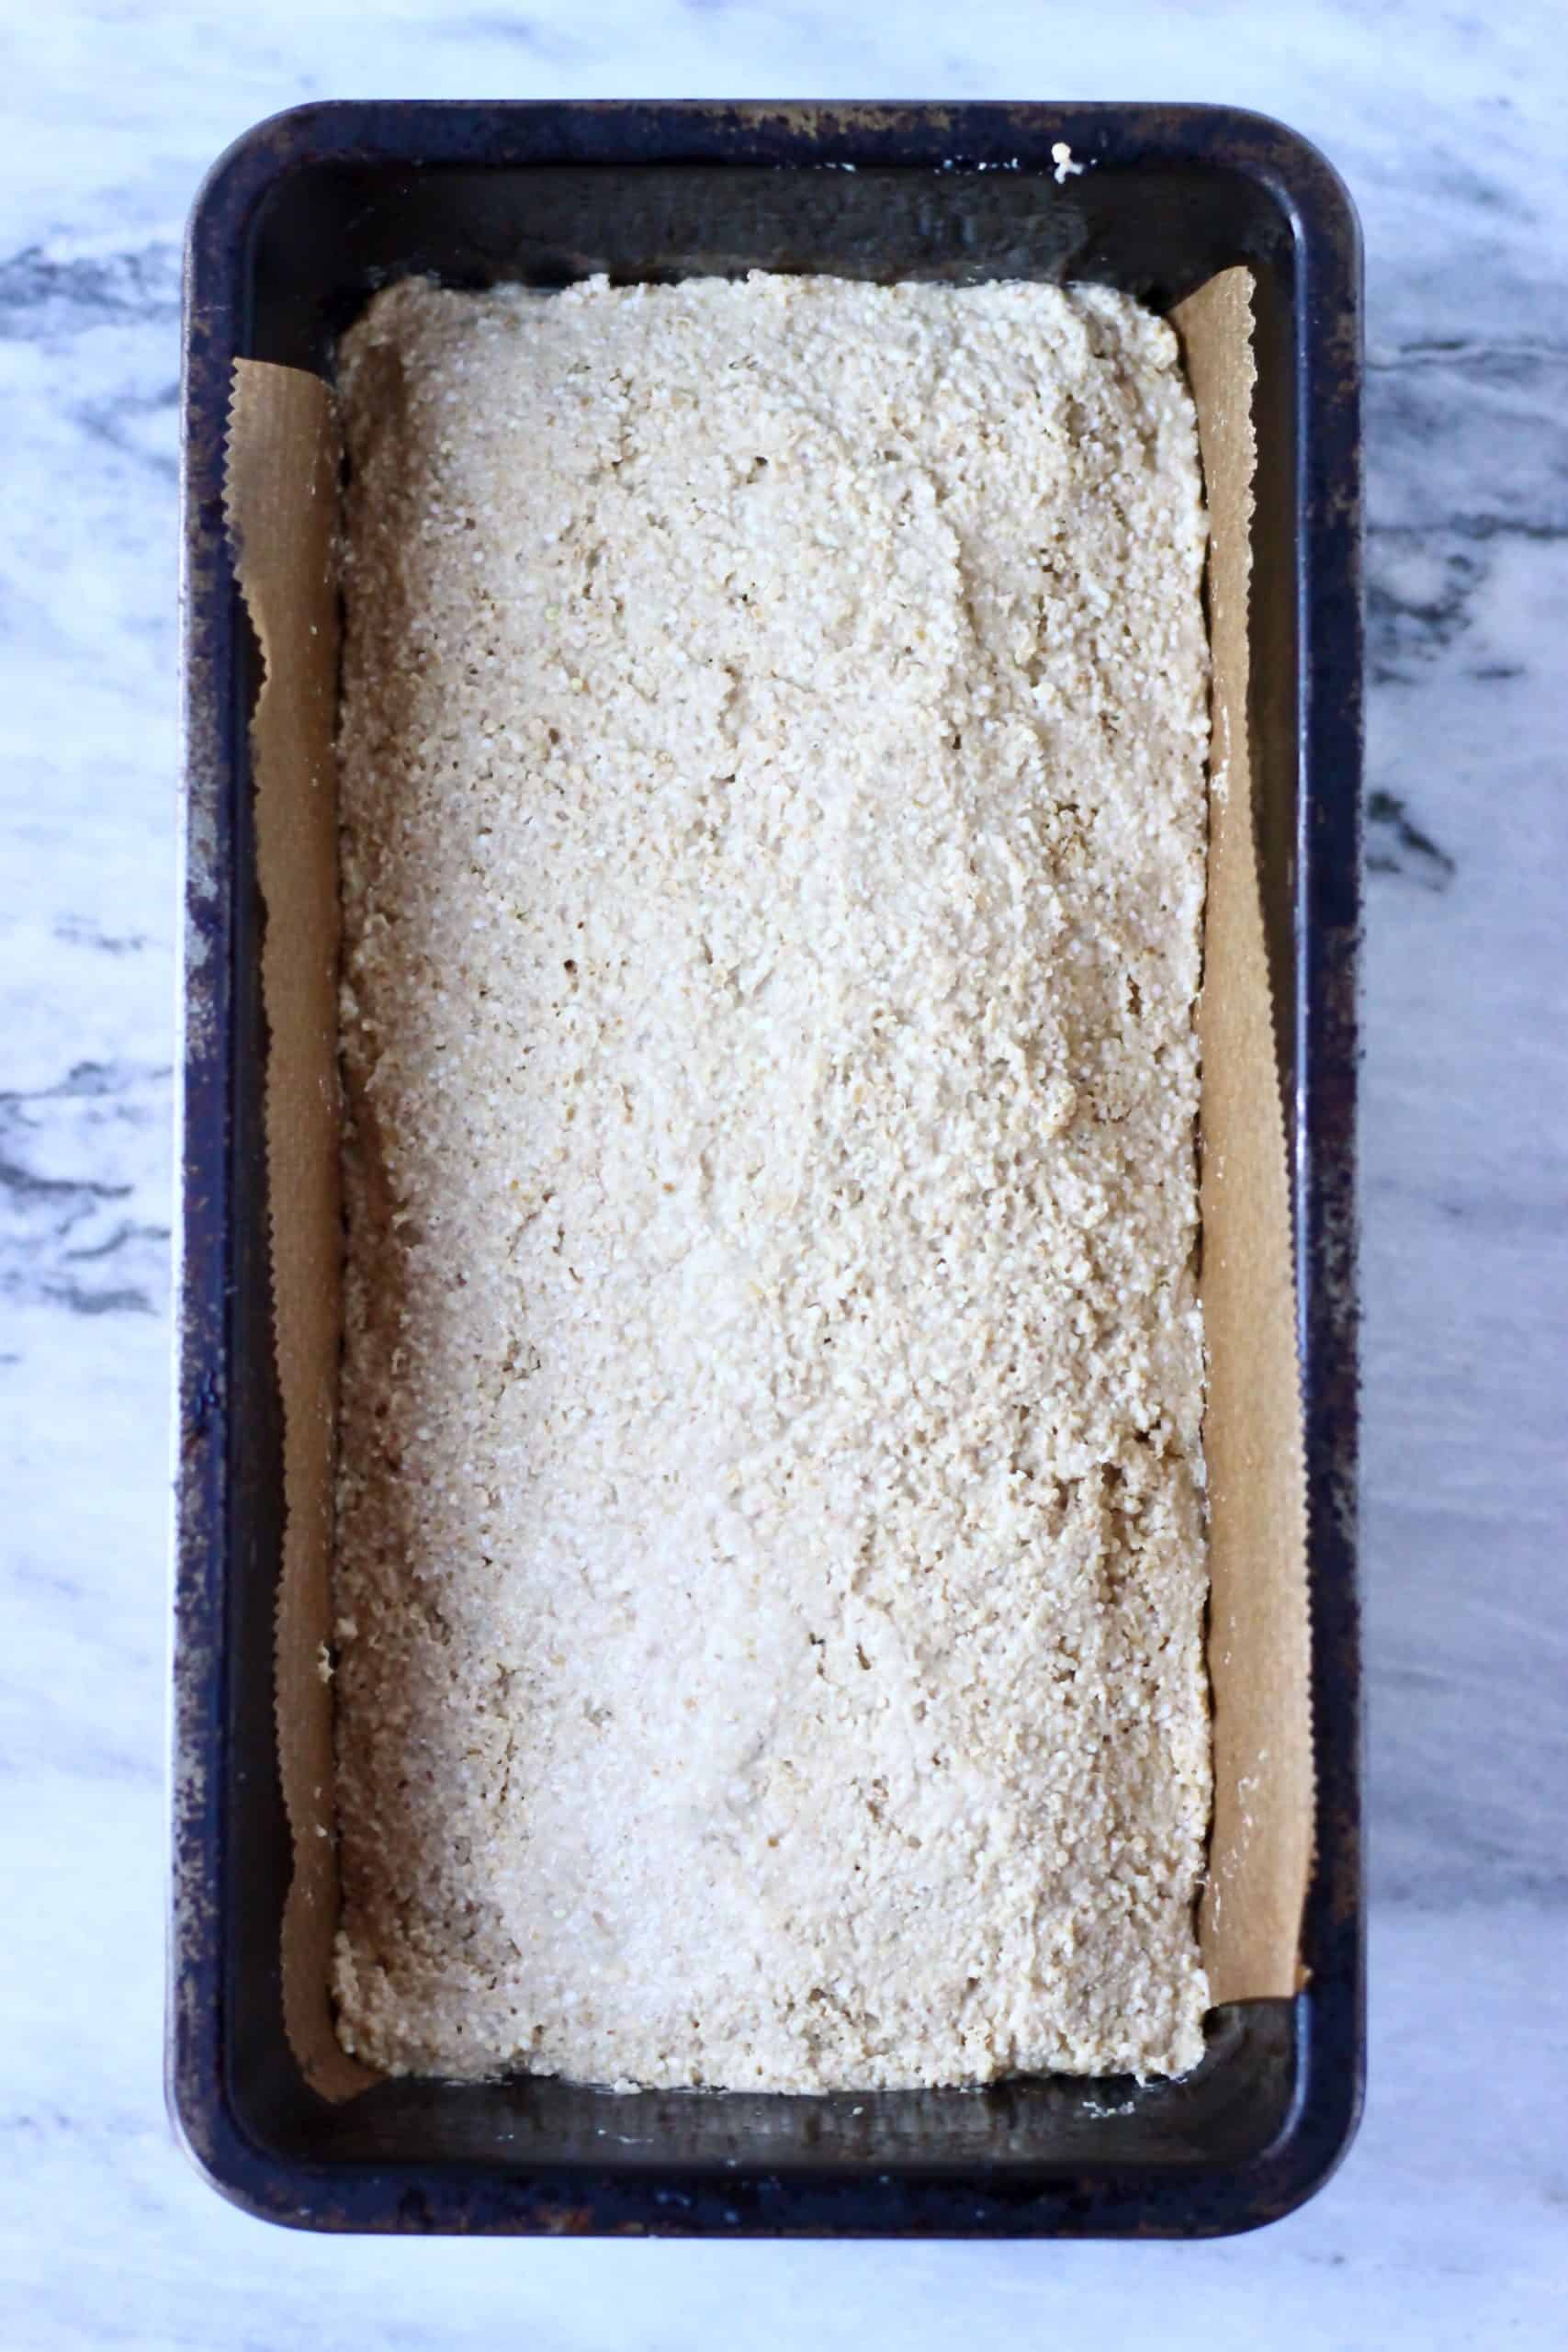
1260 1838
281 492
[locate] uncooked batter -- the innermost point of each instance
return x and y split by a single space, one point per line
770 1533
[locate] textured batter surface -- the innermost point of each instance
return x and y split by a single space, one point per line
770 1535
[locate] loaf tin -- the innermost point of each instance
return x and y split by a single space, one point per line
293 228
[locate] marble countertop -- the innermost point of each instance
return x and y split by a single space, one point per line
1448 2225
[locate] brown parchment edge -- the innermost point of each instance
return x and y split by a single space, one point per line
281 504
280 501
1260 1838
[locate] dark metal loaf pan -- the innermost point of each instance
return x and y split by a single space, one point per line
292 230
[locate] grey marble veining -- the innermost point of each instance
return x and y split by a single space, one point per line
1449 2225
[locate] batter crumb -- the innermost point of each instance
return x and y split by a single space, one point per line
771 1562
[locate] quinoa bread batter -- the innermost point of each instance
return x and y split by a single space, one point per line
771 1548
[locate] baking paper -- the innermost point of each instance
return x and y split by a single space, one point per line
282 505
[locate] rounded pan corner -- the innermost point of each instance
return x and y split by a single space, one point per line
1317 2137
1303 173
1301 2162
1307 2164
252 164
207 2134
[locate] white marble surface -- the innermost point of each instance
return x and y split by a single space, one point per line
1449 2225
